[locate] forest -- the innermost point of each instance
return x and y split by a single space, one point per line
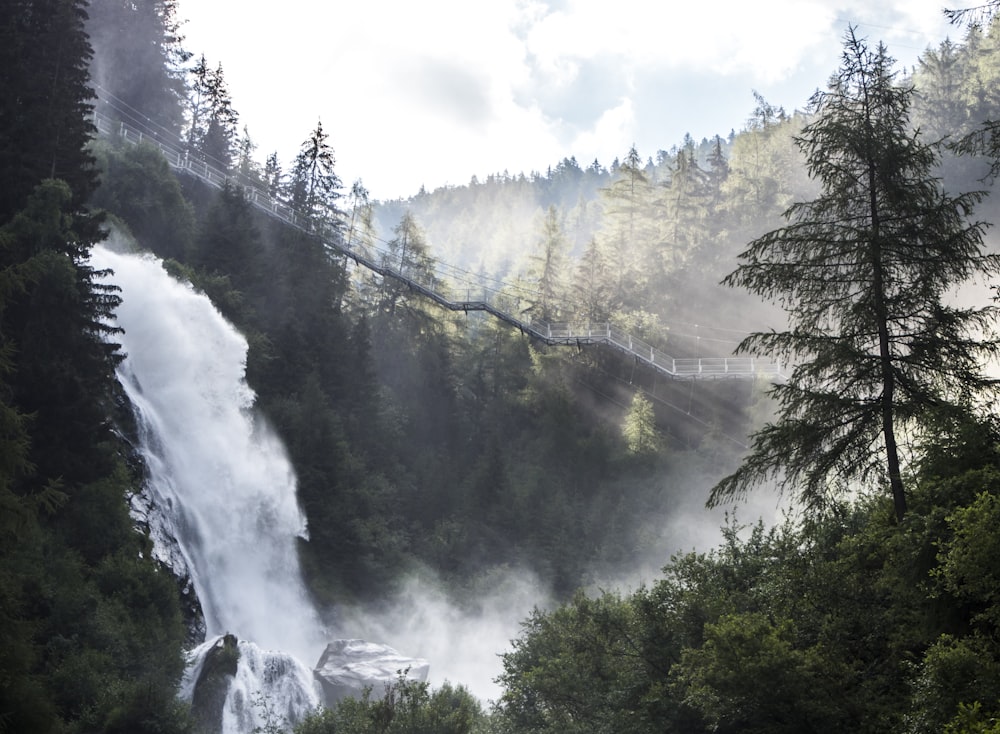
450 447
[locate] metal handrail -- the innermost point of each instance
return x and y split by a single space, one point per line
503 305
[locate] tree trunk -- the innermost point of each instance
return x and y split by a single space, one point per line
885 355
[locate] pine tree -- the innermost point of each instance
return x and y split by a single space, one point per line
73 570
548 268
757 186
273 176
639 429
314 186
46 114
685 208
220 133
863 271
974 15
629 235
718 171
248 170
408 255
197 103
980 69
938 105
139 62
591 291
361 209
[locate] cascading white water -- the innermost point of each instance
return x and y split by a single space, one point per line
221 476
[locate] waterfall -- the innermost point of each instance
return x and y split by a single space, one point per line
220 480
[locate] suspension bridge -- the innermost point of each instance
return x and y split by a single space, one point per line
498 300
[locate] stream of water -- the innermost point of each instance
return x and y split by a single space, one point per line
222 485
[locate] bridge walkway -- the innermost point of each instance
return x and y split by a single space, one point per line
494 301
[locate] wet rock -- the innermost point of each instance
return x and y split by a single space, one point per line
212 686
348 667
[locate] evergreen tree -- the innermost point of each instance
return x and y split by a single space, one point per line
314 186
758 187
974 15
685 206
981 72
46 114
217 142
938 103
591 292
273 183
197 103
91 630
547 269
863 271
249 172
408 255
628 234
139 62
639 429
718 170
361 211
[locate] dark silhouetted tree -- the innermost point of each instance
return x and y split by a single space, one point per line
314 186
219 139
863 271
46 113
273 176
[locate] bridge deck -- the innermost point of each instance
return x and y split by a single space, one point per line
494 301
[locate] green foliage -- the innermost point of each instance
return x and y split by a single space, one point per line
749 676
47 123
588 667
842 623
639 429
211 134
407 707
972 720
955 672
547 270
968 560
265 710
91 627
139 187
864 271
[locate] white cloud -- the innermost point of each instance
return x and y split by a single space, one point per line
434 92
766 38
610 137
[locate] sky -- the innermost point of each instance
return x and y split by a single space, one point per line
435 92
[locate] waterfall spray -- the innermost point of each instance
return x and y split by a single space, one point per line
220 479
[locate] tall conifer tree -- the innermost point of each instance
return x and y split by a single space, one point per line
314 186
45 116
863 271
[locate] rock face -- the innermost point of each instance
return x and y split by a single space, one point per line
212 686
348 667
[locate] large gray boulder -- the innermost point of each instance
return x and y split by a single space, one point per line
348 667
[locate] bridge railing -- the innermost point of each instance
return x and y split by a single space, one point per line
501 301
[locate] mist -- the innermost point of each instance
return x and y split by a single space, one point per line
461 638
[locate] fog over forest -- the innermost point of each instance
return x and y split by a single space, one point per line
696 438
